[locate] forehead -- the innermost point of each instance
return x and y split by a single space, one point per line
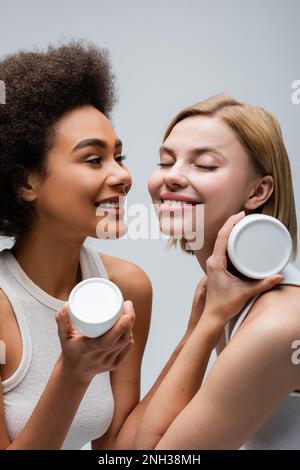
83 123
202 131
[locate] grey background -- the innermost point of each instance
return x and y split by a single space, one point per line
166 55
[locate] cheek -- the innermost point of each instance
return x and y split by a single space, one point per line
211 187
222 187
65 191
80 181
223 195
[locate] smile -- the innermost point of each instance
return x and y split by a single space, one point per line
108 205
111 203
179 203
111 208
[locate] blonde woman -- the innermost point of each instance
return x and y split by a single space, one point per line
230 157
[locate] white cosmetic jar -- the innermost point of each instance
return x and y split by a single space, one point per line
259 246
95 305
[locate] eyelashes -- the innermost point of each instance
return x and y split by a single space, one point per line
98 160
204 167
209 168
120 158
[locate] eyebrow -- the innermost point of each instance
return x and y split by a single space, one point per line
196 151
95 143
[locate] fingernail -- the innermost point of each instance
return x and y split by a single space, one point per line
242 212
62 309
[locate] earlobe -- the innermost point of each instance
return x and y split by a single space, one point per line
26 194
260 193
28 191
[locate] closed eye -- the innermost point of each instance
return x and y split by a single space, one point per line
208 168
204 167
163 165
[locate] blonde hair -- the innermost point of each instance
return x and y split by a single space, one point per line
259 131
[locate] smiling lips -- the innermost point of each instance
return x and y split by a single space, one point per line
114 206
171 202
175 206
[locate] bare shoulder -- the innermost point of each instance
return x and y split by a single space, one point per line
265 339
271 329
277 309
130 278
135 285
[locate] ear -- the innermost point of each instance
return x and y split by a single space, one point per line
260 193
28 192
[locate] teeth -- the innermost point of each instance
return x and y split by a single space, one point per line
176 203
108 205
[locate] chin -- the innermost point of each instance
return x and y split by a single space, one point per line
108 230
171 228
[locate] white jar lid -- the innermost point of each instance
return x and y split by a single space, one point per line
95 300
259 246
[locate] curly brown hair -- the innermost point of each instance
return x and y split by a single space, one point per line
40 87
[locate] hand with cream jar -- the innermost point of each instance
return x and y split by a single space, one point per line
259 246
95 305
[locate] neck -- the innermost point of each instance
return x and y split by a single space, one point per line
201 257
205 252
50 261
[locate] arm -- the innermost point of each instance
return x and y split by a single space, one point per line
128 433
125 381
242 389
78 363
180 384
225 296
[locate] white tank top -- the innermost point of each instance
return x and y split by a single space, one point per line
281 430
35 313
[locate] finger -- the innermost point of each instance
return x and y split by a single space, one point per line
267 283
112 354
114 334
121 356
63 321
127 335
128 314
203 282
220 247
116 348
200 292
129 309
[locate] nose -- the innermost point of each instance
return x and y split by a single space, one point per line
119 177
175 179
